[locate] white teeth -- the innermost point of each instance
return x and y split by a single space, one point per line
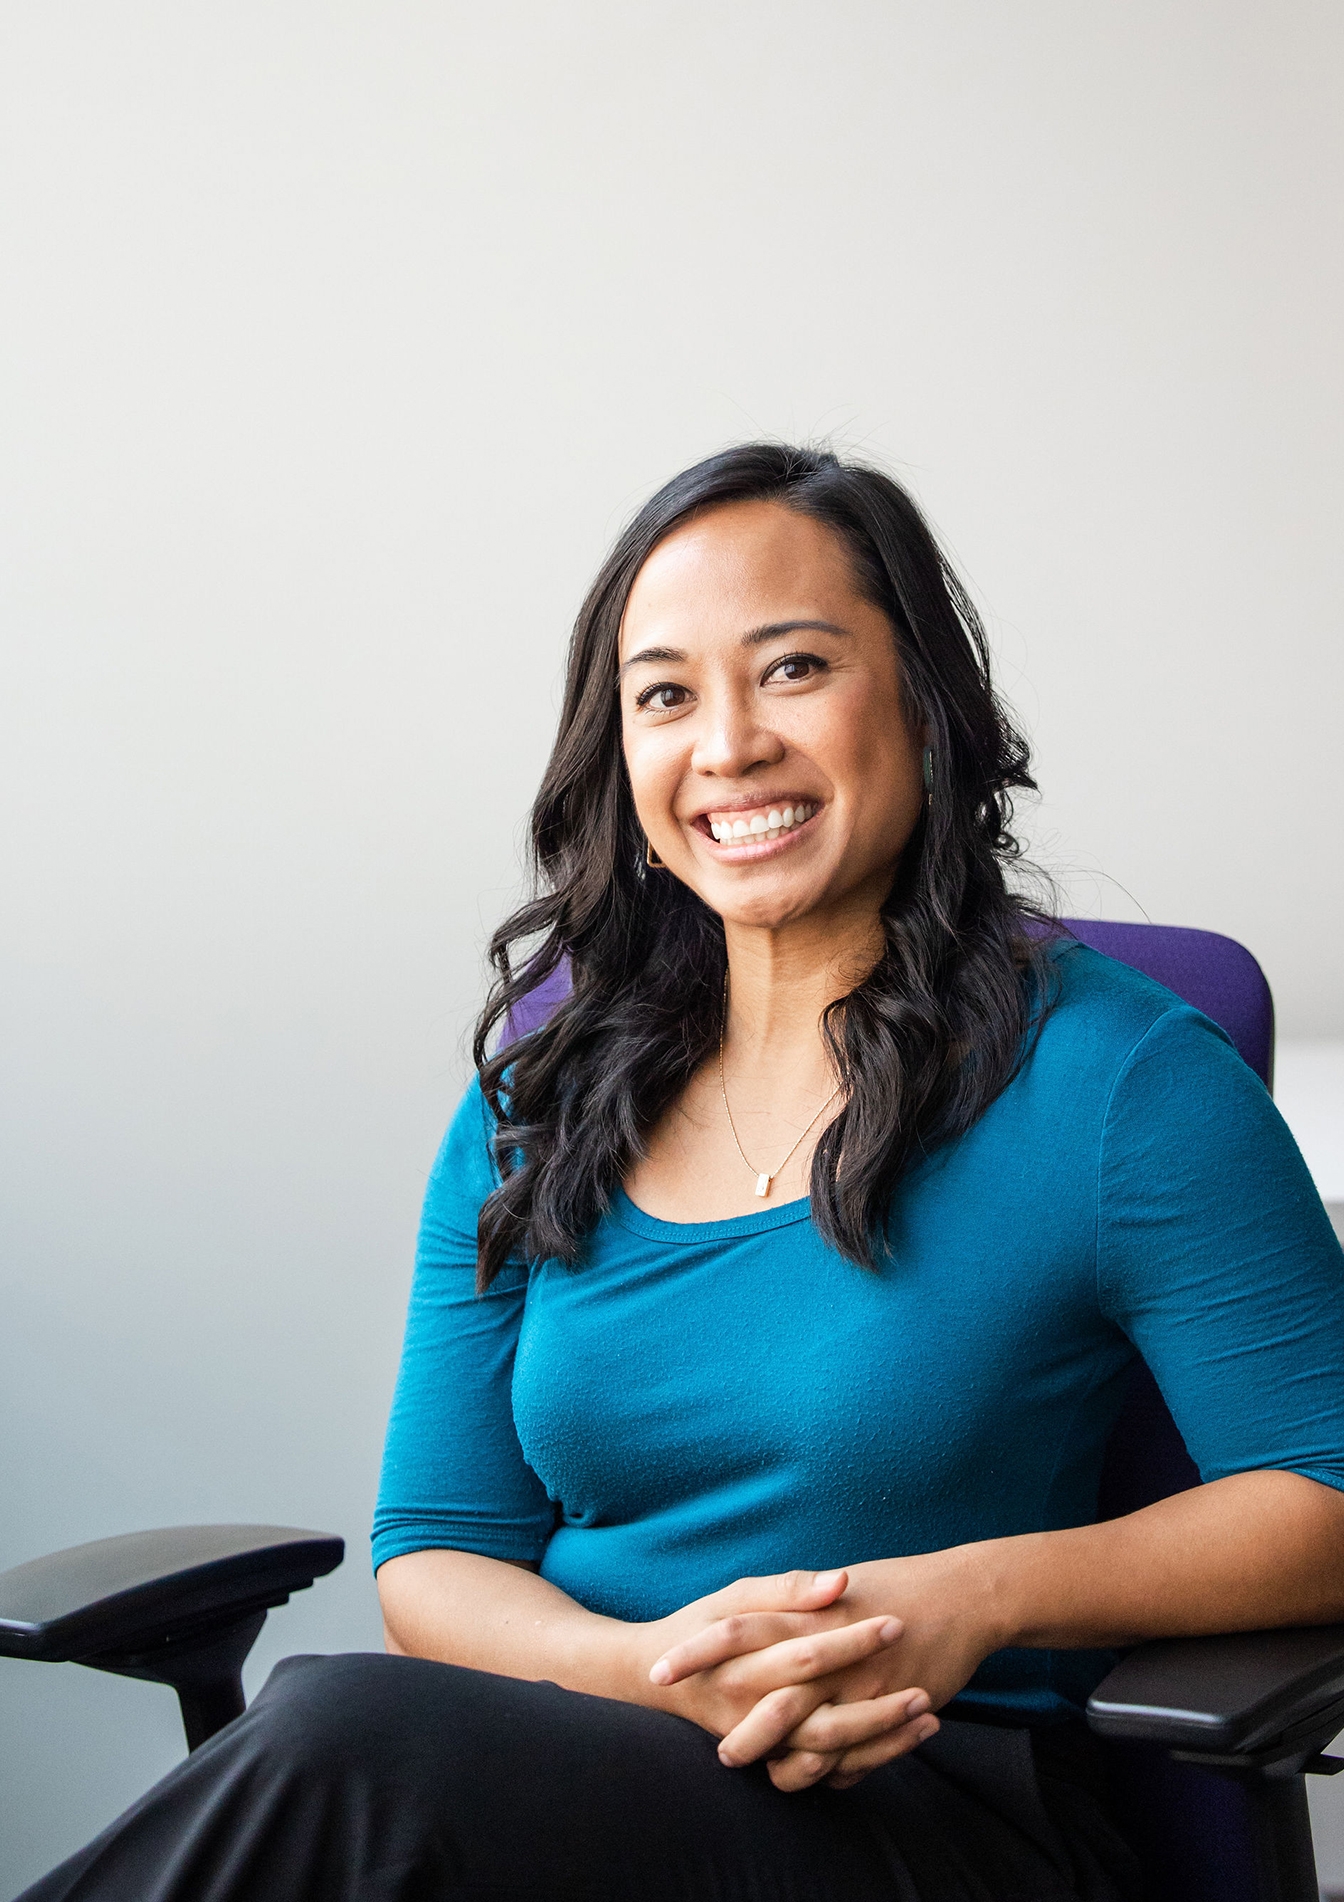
767 825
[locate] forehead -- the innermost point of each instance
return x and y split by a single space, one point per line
736 567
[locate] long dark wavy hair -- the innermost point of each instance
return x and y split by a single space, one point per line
922 1046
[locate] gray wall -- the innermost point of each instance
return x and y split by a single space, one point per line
336 341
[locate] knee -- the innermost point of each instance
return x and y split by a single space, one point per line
354 1712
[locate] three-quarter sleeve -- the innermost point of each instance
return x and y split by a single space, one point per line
454 1474
1216 1257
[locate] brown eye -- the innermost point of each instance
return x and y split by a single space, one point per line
795 667
664 698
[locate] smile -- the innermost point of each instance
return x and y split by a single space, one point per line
759 825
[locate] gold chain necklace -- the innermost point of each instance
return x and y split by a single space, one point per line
764 1179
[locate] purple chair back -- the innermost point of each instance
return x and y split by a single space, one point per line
537 1006
1190 1827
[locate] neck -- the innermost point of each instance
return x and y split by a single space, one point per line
780 980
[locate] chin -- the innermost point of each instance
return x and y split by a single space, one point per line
763 911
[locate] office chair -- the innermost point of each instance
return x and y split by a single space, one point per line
1208 1739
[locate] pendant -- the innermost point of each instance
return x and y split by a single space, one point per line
762 1184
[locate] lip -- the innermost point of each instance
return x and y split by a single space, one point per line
749 851
754 802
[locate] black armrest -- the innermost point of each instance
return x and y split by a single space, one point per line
1253 1697
179 1606
145 1588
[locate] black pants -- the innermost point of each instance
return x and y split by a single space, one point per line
374 1779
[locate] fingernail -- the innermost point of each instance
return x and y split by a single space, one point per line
661 1672
928 1728
728 1761
918 1704
889 1630
824 1581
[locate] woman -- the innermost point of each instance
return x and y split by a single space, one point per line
775 1300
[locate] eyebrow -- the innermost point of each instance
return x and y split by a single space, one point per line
755 637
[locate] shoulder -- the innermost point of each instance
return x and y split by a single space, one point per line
470 1131
1182 1129
1106 1014
464 1170
1113 1034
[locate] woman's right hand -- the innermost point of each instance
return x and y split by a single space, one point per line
786 1639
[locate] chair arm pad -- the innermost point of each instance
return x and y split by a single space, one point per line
145 1587
1238 1695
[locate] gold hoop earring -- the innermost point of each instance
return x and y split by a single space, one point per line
651 857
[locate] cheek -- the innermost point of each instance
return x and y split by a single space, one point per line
652 767
863 746
891 765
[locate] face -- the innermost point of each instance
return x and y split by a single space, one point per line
774 768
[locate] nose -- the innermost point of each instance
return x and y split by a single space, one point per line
732 739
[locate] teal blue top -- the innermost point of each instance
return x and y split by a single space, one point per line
700 1402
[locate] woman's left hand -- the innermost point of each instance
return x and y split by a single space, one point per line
943 1606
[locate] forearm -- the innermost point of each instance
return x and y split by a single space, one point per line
490 1615
788 1630
1254 1551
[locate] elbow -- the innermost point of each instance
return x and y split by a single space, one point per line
391 1599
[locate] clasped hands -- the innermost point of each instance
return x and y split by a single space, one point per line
806 1670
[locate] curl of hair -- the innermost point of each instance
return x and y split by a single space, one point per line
922 1046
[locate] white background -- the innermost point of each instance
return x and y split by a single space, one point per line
335 343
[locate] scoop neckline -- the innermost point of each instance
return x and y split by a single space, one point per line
653 1228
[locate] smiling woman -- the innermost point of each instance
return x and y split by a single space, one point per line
774 1302
787 644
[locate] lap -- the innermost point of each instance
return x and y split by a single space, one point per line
524 1778
363 1776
